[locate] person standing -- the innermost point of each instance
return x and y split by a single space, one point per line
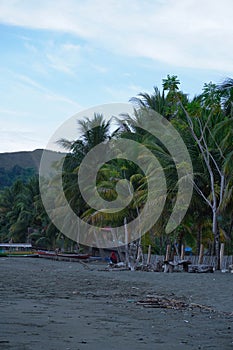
113 258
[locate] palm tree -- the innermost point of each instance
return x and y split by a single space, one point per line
155 101
17 207
171 84
211 98
226 90
166 105
134 129
93 132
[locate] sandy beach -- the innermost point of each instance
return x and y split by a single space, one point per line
58 305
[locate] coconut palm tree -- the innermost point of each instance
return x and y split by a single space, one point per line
155 101
93 131
226 90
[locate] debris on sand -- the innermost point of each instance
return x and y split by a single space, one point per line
155 301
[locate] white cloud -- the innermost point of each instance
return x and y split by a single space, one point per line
54 70
17 137
66 100
28 81
46 93
183 33
71 47
13 141
64 58
27 121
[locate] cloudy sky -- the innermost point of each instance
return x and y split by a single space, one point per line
59 57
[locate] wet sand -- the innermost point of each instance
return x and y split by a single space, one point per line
65 306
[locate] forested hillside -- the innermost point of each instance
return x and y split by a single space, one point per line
19 166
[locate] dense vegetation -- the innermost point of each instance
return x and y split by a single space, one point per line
205 123
8 177
18 165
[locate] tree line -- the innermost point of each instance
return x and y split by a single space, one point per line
205 123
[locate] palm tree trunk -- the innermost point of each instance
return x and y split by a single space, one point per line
126 244
199 238
216 240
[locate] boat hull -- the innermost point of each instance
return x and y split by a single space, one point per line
62 256
15 255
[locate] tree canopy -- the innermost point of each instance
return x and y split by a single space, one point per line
205 123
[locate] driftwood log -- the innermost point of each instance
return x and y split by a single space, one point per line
200 268
170 265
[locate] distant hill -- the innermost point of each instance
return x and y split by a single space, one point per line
20 165
25 159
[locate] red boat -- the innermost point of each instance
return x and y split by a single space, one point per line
73 256
46 254
50 254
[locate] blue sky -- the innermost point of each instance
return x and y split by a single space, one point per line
61 57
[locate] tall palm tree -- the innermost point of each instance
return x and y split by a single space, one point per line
171 84
226 90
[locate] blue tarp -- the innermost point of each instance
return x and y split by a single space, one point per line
188 249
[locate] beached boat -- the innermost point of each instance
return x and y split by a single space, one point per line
73 256
22 250
46 254
49 254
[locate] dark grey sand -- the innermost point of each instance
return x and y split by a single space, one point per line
61 305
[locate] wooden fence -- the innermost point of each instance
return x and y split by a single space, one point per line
207 260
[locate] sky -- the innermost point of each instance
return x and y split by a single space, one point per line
60 57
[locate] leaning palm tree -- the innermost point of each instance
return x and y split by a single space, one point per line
93 131
155 101
133 128
165 104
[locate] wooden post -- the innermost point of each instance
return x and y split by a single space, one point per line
200 260
168 252
149 255
115 240
139 254
139 251
182 252
98 244
128 236
221 256
126 244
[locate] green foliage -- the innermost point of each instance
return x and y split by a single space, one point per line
9 176
208 115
